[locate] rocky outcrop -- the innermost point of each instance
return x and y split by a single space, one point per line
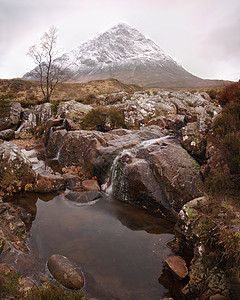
15 169
65 272
148 169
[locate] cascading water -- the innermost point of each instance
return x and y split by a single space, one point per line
107 187
127 154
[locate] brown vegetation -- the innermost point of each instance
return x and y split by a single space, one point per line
225 164
29 92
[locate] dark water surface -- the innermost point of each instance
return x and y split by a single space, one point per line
119 248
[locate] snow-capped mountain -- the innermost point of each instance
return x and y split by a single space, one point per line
124 53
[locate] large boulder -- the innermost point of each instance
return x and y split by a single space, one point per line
15 169
158 175
65 272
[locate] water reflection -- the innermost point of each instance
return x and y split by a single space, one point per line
119 248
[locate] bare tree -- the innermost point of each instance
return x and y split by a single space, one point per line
49 69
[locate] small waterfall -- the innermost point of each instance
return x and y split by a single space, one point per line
107 187
126 154
153 141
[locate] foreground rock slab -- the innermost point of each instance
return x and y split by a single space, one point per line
65 272
177 265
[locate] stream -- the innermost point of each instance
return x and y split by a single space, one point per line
119 248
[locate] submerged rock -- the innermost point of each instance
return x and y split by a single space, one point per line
65 272
83 197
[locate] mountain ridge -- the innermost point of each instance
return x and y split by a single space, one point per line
124 53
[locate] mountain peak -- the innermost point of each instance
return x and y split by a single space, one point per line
124 53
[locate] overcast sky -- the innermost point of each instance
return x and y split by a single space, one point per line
202 35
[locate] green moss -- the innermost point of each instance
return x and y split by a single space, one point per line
192 213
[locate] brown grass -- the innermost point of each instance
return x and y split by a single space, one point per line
29 92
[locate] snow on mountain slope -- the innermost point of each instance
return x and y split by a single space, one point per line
122 52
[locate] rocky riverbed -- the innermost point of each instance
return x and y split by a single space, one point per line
156 163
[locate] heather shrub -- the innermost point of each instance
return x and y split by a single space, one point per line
103 119
231 94
225 165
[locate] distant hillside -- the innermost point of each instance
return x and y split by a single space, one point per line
26 91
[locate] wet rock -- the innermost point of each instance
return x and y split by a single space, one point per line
72 181
15 169
55 142
83 197
49 125
177 266
71 108
161 178
47 183
90 185
7 134
65 272
158 175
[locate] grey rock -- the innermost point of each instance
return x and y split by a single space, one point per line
7 134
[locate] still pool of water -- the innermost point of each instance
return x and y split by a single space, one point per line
119 248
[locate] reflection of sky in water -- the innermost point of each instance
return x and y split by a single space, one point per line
110 241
